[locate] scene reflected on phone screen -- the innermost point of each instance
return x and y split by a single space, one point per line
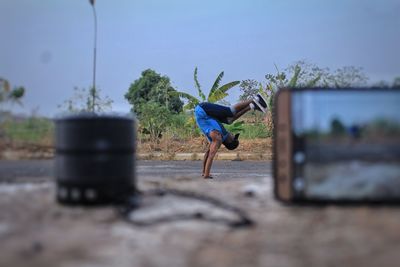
350 144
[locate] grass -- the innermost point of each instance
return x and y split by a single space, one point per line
180 135
37 131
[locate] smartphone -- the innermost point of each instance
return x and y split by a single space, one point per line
337 145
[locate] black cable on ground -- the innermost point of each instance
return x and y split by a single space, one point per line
242 221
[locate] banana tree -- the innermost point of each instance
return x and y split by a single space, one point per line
215 94
10 95
7 94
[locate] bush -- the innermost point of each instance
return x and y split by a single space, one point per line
154 119
181 128
255 130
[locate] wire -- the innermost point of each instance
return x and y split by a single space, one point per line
242 221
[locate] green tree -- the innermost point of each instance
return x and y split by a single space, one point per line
384 84
217 93
151 86
381 84
304 74
348 76
248 88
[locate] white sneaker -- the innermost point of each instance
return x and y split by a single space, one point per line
261 103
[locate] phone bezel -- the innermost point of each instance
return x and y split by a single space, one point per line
302 201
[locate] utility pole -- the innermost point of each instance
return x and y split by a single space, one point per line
93 91
166 95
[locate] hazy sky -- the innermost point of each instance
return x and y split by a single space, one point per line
46 45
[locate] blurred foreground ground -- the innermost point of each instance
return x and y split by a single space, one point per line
35 231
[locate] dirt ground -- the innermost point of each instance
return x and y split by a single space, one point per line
199 144
36 231
196 145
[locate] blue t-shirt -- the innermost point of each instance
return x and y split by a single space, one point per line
208 124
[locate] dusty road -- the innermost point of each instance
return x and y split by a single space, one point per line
42 170
36 231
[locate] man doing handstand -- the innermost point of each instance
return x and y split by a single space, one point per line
209 118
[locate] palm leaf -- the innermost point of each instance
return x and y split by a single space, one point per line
217 96
224 88
215 85
293 82
220 93
197 84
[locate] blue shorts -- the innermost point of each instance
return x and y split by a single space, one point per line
207 123
221 113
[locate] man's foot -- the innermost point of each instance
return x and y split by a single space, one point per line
208 177
260 103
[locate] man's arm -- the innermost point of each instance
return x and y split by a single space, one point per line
205 160
216 140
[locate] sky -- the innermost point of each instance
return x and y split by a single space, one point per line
47 45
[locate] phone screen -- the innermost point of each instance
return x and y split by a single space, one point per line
346 144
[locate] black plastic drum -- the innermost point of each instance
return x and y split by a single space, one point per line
95 159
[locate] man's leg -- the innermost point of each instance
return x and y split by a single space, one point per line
241 108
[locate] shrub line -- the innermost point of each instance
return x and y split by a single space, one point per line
19 155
